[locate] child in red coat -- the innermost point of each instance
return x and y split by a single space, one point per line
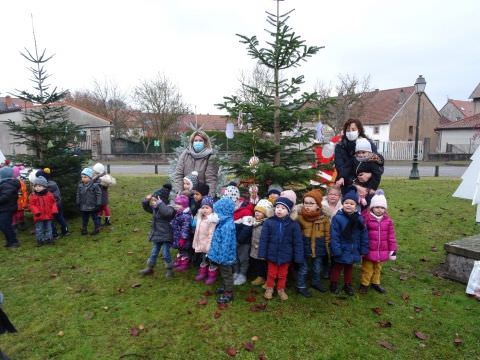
43 207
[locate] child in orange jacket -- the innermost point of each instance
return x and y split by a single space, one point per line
43 208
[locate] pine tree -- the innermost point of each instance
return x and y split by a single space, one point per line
46 131
277 114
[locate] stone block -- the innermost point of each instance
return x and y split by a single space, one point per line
461 255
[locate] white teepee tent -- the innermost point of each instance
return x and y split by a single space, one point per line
469 188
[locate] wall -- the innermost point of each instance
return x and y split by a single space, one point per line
451 112
460 136
383 134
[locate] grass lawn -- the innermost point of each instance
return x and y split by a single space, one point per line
83 298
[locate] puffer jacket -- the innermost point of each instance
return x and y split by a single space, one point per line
181 229
9 194
162 215
89 196
381 237
54 189
223 248
316 236
343 250
204 232
42 205
243 218
281 241
204 162
256 232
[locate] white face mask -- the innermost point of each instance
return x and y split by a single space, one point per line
352 135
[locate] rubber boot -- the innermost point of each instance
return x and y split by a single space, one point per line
177 261
202 273
184 264
212 275
169 272
147 271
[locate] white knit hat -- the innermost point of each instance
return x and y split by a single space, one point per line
99 168
363 144
232 192
289 194
378 200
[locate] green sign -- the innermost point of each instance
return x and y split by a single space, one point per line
156 143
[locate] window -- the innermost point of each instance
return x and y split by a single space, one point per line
410 130
376 130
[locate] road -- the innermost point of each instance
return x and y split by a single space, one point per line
447 171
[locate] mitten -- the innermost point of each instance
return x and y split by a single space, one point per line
182 243
393 255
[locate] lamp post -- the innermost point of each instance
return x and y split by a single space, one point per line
419 89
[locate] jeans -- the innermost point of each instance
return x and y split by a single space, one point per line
7 228
303 272
86 217
243 255
61 220
43 230
156 248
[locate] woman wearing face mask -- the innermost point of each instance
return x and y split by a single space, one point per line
345 153
199 157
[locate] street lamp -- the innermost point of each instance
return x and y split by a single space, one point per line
419 89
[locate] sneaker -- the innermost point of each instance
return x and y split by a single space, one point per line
147 271
258 281
304 292
268 294
13 245
240 280
282 294
320 288
68 233
378 288
225 298
363 289
348 289
235 275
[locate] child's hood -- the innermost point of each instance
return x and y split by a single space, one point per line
224 208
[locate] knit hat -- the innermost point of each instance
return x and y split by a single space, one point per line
265 207
6 173
290 194
351 194
164 192
45 172
253 188
378 200
274 189
87 172
182 200
16 170
316 194
207 200
99 168
40 180
202 188
363 144
285 202
192 179
232 192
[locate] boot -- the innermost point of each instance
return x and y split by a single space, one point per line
378 288
225 298
169 272
147 271
268 294
320 287
304 292
363 289
212 275
39 243
84 231
50 242
202 273
333 287
258 281
95 231
177 261
348 289
107 221
184 264
282 294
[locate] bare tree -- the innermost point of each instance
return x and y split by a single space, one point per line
258 79
107 100
161 103
350 96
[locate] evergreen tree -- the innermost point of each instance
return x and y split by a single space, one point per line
47 132
276 114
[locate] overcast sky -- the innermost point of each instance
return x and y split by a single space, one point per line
193 43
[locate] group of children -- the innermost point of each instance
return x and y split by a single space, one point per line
237 235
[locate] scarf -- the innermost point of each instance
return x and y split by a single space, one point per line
353 223
310 215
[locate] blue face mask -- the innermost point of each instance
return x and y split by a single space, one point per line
198 146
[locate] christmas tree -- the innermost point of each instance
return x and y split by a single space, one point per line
47 132
279 149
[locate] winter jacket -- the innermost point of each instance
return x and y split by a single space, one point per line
281 241
181 229
53 188
162 215
344 156
205 226
204 162
370 167
9 194
316 236
343 250
22 202
42 206
89 196
243 218
381 237
256 232
223 248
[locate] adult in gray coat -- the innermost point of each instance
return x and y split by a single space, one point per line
198 156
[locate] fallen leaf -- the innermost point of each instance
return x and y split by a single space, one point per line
136 230
262 356
417 309
248 346
254 338
457 341
136 285
434 249
403 277
422 345
53 275
203 301
386 345
222 306
134 331
231 351
436 293
251 299
120 290
385 324
208 293
421 335
89 315
390 302
61 333
405 296
141 327
217 314
105 308
377 310
258 307
129 252
423 259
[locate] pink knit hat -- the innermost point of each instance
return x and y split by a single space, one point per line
378 200
182 200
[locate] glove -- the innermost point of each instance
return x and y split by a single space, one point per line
393 255
182 243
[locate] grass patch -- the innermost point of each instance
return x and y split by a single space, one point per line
83 287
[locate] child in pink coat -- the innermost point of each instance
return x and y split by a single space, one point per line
381 242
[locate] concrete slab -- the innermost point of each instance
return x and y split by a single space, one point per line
461 255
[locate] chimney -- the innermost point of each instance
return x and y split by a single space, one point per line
402 97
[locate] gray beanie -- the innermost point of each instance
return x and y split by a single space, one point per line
40 180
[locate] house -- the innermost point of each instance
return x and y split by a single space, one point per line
391 115
96 135
461 135
455 110
206 122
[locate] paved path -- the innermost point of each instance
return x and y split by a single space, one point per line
449 171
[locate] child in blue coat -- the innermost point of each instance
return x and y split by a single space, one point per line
348 241
280 244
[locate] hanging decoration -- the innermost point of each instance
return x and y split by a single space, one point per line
240 120
319 132
229 131
325 155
